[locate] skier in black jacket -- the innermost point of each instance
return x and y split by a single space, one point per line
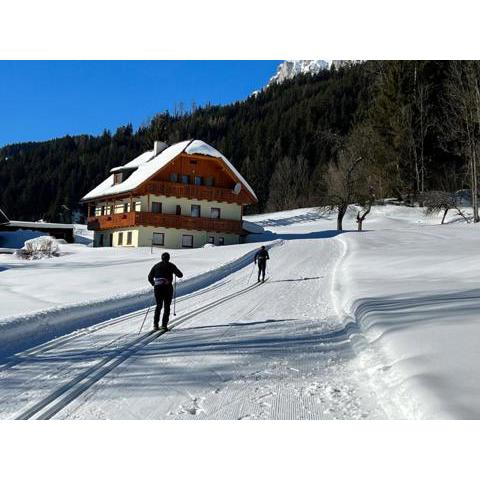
262 257
161 277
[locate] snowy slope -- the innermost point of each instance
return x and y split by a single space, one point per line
378 324
413 292
276 350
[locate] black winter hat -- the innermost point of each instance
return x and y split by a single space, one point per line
165 256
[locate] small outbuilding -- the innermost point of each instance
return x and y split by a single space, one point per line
57 230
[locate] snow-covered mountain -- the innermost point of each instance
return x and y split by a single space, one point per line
344 63
292 68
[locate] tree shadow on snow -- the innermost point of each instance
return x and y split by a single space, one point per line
302 218
269 235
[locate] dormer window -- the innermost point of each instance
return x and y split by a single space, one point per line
120 174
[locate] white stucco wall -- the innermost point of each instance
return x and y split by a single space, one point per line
229 211
142 237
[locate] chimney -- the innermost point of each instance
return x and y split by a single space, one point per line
158 147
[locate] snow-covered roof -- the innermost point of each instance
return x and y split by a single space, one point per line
147 165
36 225
201 148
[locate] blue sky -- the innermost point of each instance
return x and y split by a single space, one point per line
40 100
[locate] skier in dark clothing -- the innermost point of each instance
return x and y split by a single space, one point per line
262 257
161 277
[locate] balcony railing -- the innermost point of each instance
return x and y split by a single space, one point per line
166 220
198 192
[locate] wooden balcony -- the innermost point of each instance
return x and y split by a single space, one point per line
197 192
165 220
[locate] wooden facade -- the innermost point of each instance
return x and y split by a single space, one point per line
143 219
192 192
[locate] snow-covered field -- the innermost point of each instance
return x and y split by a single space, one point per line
376 324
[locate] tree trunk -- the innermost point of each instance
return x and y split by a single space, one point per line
476 218
341 214
444 215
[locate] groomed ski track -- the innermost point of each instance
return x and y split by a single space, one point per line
277 350
57 400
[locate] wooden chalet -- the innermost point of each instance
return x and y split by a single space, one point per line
179 196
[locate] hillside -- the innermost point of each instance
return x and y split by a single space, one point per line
281 140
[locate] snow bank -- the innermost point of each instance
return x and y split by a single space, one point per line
251 227
82 234
40 247
20 332
413 293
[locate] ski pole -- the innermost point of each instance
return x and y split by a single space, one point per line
146 314
175 298
253 268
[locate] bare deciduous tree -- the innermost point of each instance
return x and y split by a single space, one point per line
350 179
462 119
366 208
437 202
342 184
419 124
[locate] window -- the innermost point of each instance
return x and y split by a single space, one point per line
209 181
185 179
215 213
138 206
211 240
117 178
158 239
221 241
110 239
102 210
178 210
120 238
195 210
198 180
129 238
187 241
173 177
100 240
118 208
125 208
156 207
193 162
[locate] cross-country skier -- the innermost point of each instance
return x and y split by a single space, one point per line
161 277
262 257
